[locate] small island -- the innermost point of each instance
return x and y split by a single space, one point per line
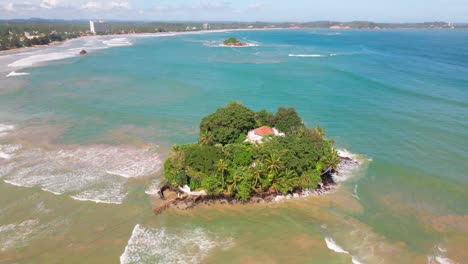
233 42
247 156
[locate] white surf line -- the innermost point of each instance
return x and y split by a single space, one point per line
355 192
40 54
331 244
13 74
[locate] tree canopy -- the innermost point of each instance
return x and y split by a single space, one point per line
227 124
221 163
231 41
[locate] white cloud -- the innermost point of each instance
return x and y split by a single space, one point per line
49 3
121 4
91 5
9 7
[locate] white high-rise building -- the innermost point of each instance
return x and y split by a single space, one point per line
91 27
98 27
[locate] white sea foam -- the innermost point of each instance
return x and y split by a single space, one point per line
312 55
150 245
13 73
62 52
355 192
81 173
439 260
6 128
17 235
349 165
153 189
117 42
6 151
332 245
41 58
355 261
326 34
306 55
439 256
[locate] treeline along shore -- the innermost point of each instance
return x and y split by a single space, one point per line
20 33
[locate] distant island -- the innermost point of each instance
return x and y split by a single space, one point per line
234 42
246 156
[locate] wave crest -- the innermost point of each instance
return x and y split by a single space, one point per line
151 245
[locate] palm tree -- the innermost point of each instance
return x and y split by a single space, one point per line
319 131
205 138
257 172
331 160
233 183
222 166
273 163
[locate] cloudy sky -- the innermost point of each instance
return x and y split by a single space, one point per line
241 10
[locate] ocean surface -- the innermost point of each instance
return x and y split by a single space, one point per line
83 139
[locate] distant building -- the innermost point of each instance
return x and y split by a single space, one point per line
98 27
29 35
206 26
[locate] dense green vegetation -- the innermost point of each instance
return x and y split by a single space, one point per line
14 35
231 41
221 163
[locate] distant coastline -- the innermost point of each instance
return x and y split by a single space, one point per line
51 32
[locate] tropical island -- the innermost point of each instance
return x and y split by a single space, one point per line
246 156
234 42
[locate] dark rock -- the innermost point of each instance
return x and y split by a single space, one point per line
256 200
83 52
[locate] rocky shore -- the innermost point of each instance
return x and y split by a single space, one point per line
178 199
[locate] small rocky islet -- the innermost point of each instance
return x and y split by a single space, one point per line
243 156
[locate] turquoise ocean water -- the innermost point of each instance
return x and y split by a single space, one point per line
398 99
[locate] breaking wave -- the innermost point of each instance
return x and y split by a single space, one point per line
13 73
117 42
81 173
19 234
41 58
331 244
312 55
151 245
62 52
6 128
439 257
349 164
153 189
6 151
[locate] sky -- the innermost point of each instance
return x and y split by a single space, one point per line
240 10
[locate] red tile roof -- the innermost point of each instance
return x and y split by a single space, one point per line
264 131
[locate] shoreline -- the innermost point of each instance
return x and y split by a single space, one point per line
186 202
55 43
176 33
158 34
177 199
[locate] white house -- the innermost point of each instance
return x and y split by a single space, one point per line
257 135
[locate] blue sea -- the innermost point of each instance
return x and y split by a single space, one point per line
83 139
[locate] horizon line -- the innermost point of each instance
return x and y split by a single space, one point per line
225 21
